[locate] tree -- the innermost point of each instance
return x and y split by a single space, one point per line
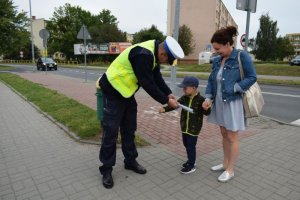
27 52
105 17
106 29
64 26
67 21
284 48
185 39
266 41
14 37
148 34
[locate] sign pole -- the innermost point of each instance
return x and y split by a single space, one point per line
44 33
247 25
84 41
249 6
84 34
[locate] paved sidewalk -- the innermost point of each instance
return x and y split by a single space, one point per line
39 161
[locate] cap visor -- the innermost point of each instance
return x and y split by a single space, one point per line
181 85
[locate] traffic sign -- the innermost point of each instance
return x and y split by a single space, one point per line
84 33
44 34
243 40
246 5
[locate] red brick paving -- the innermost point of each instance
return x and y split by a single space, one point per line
159 129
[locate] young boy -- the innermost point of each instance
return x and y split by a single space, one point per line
190 122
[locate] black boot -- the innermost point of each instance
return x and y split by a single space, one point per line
107 179
136 167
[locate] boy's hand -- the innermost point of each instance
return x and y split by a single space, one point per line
161 110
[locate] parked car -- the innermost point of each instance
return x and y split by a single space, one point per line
42 63
295 61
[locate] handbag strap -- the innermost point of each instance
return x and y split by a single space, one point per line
241 66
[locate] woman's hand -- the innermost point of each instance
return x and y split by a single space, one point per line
206 104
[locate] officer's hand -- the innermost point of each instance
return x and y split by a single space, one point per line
172 103
171 96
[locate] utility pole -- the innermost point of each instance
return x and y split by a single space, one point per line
31 35
175 35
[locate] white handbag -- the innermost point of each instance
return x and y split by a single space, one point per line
253 100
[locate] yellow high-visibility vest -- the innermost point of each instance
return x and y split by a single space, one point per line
120 73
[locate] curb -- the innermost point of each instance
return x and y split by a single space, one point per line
280 122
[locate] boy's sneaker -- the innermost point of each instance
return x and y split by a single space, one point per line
185 165
188 169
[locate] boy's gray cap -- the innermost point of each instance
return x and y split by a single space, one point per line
189 81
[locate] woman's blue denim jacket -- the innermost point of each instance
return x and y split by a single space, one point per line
232 85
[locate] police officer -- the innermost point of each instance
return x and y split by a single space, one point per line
137 66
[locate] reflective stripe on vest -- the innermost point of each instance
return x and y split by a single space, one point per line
120 73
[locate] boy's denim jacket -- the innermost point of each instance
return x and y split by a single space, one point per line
232 85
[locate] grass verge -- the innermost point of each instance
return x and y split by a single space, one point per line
261 68
6 68
79 118
260 80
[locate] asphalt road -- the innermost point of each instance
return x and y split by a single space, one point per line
282 103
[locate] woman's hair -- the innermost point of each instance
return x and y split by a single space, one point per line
224 35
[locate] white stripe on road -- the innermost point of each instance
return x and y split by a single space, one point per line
296 122
271 93
280 94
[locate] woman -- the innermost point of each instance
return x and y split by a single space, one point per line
224 90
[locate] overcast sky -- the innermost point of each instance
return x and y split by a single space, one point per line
134 15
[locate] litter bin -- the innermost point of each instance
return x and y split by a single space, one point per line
99 104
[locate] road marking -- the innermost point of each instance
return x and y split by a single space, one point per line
270 93
280 94
296 122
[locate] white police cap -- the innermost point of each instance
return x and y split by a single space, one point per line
173 49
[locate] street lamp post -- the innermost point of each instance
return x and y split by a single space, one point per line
175 35
31 35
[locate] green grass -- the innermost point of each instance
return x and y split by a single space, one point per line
278 82
6 68
260 80
79 118
261 69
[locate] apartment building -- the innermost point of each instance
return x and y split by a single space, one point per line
295 41
203 17
37 25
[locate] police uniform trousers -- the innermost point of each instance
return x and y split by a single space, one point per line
118 112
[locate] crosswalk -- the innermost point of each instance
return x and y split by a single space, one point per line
296 122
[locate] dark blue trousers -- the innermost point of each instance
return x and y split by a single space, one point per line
118 113
190 143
